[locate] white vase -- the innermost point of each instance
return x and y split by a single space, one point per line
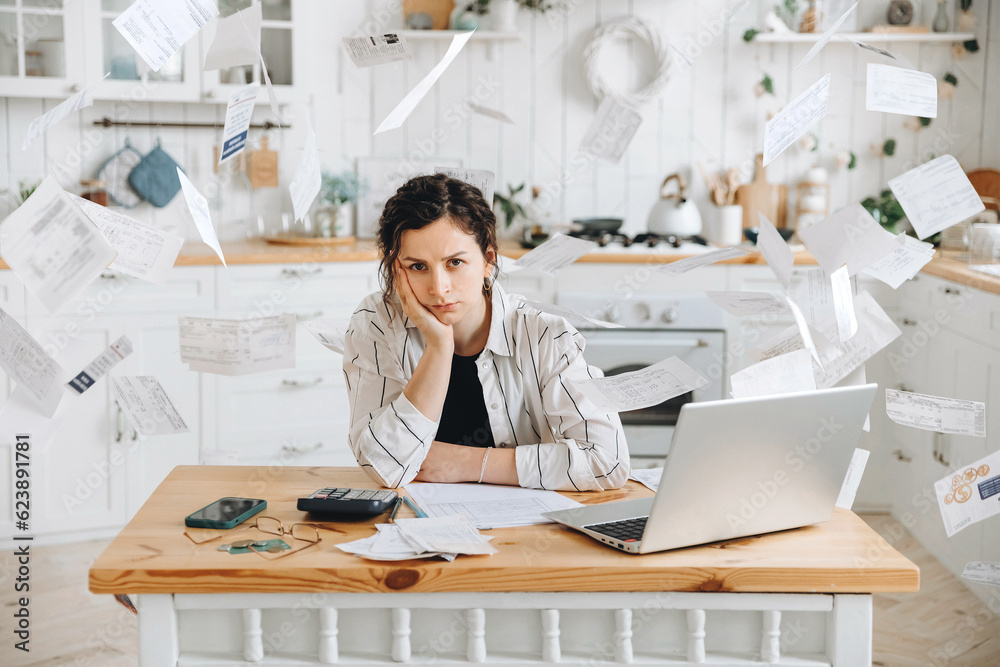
727 226
335 220
504 15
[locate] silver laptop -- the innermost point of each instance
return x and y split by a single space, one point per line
739 467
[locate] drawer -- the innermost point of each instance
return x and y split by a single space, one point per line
965 310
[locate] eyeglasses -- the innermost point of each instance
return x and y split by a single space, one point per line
299 532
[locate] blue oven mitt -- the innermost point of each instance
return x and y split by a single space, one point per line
155 177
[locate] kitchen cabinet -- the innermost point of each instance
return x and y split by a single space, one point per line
41 48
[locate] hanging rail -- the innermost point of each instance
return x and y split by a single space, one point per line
107 122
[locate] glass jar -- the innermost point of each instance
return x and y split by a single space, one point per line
95 190
334 220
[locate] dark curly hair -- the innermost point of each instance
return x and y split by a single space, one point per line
426 199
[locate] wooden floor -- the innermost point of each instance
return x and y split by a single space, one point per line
943 624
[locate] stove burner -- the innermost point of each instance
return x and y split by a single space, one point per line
650 240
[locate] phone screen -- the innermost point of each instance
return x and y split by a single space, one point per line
226 509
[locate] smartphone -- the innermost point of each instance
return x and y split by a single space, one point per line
225 513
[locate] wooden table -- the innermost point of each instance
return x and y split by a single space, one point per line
549 593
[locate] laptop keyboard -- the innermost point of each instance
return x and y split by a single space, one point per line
629 530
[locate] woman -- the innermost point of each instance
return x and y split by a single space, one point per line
452 380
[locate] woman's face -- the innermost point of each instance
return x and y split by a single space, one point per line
445 268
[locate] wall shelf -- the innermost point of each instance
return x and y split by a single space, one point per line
479 36
881 37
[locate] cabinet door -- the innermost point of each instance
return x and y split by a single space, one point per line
41 54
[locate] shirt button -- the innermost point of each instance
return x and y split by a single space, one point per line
494 406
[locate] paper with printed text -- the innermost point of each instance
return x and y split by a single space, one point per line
642 388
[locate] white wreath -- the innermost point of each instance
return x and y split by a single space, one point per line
643 31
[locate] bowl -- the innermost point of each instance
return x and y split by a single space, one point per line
599 224
751 233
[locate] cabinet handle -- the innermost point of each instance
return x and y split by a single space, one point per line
907 322
289 449
120 423
299 383
109 276
314 316
299 273
900 456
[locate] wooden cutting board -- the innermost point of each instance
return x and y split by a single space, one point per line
759 195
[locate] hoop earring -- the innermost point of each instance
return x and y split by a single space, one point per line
487 286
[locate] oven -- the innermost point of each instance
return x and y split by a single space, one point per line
686 325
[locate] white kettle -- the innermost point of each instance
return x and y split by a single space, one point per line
674 214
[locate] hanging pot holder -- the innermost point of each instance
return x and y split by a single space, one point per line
155 177
115 172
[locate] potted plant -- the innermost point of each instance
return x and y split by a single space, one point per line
504 12
337 194
885 209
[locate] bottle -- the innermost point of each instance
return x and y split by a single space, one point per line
940 18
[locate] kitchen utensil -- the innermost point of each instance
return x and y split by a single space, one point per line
674 214
263 167
599 225
759 196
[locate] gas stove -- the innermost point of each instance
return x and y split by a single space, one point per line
618 241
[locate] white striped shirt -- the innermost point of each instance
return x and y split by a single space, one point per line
563 441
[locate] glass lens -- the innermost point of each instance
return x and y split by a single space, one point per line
305 532
266 524
202 535
124 63
44 50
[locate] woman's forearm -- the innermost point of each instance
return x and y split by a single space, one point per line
428 385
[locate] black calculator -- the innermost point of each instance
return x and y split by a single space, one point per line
348 501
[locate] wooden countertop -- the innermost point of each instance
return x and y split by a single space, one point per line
151 554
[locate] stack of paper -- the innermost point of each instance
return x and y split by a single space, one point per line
422 538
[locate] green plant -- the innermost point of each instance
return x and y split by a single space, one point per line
889 147
787 11
540 6
25 190
750 34
341 188
479 7
510 208
886 210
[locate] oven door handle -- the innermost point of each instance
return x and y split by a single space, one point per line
689 342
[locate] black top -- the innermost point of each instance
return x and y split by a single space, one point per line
464 420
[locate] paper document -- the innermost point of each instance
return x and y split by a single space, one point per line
936 195
795 119
480 178
237 39
491 113
20 414
682 266
936 413
157 29
849 489
143 251
902 263
377 49
30 365
776 252
745 304
843 304
824 38
559 251
453 534
198 206
104 362
813 292
875 331
901 90
611 131
850 236
488 505
147 405
778 375
38 127
238 114
388 544
970 494
896 58
308 178
571 316
237 347
330 333
642 388
272 98
402 111
982 573
804 330
648 477
53 247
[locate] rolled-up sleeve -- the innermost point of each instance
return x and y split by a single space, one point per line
388 435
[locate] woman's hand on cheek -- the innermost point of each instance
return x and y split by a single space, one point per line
435 332
448 464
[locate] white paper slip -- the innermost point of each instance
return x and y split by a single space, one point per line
402 111
824 38
452 534
143 251
804 330
896 58
936 413
330 333
611 131
559 251
308 178
488 505
648 477
936 195
970 494
386 544
104 362
27 362
850 236
982 572
80 100
377 49
843 304
20 414
146 404
272 98
875 331
849 489
198 207
491 113
790 340
782 374
795 119
902 263
746 304
571 316
901 90
238 115
776 252
237 39
237 347
642 388
682 266
157 29
480 178
53 247
813 292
